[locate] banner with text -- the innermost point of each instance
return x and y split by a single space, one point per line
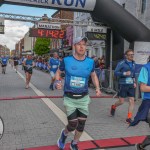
96 29
141 52
88 5
43 25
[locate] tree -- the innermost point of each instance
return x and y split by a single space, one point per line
42 46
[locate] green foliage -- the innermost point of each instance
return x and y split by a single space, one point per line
42 46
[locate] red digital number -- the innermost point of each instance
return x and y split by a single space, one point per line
61 34
47 33
40 32
51 33
56 33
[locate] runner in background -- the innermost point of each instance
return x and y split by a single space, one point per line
53 64
4 61
125 70
143 113
23 59
16 62
28 67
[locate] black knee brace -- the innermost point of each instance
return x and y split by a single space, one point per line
81 125
72 125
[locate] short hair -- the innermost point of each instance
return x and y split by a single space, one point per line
55 53
129 50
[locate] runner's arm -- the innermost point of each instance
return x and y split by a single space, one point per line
143 80
118 71
58 74
144 87
60 70
24 63
33 64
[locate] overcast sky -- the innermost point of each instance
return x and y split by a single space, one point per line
15 30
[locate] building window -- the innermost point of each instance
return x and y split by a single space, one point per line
143 6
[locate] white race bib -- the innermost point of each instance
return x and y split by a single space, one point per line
77 82
129 81
54 66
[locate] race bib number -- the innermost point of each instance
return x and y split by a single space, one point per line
54 66
77 82
129 81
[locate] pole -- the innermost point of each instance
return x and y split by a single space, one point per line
111 49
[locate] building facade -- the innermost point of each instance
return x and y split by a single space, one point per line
28 43
19 47
60 45
139 9
95 47
4 50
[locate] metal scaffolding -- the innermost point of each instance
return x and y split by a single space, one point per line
35 19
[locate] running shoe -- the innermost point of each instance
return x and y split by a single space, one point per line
27 86
73 146
61 140
138 147
112 111
129 120
51 86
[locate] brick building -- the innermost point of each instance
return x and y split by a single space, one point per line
19 47
12 53
4 50
59 44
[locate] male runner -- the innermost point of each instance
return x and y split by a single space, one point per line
78 69
125 70
53 66
143 113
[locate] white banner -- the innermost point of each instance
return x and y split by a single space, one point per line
97 29
43 25
141 52
69 4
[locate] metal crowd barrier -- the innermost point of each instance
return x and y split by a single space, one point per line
104 83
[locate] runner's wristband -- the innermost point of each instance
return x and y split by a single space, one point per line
56 82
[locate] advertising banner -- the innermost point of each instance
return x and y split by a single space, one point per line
97 29
43 25
141 52
88 5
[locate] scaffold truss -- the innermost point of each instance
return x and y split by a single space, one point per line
35 19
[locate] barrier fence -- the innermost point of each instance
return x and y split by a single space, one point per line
104 83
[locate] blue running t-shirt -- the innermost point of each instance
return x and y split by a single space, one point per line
4 61
77 73
54 63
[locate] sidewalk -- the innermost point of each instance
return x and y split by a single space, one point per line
31 123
